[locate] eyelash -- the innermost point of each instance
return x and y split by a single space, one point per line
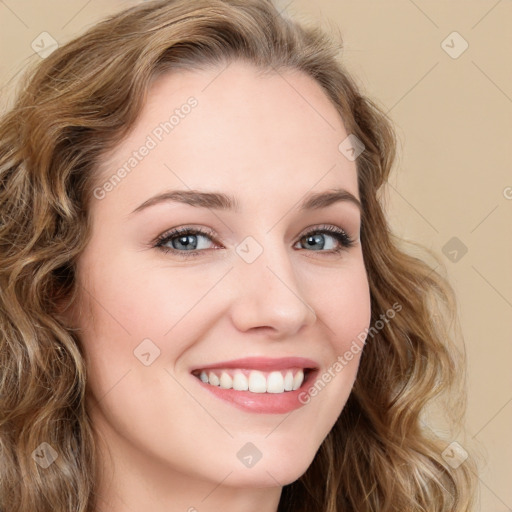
345 241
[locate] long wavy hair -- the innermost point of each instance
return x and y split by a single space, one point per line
76 105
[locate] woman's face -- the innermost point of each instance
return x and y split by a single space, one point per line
263 280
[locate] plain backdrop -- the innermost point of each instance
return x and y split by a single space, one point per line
441 70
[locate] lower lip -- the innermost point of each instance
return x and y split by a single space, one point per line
262 403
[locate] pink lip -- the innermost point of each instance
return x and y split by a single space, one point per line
263 363
262 403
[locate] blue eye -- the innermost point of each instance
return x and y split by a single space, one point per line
317 236
185 241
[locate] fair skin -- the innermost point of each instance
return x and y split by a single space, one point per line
269 141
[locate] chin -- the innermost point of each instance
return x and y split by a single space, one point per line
281 468
266 476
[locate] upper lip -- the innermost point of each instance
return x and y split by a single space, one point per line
262 363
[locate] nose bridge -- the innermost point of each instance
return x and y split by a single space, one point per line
269 293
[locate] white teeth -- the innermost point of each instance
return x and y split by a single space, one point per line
213 379
226 381
275 383
240 382
298 380
288 381
256 381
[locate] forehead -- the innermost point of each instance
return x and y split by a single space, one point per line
237 129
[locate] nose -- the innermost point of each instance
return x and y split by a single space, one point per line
269 296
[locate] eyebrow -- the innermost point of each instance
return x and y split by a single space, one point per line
221 201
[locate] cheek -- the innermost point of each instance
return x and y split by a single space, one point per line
129 309
343 307
341 300
351 311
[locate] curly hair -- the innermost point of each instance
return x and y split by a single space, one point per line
79 103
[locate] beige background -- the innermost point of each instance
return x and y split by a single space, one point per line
453 176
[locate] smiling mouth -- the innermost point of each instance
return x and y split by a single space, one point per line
254 381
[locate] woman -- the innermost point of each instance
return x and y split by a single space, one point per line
203 307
